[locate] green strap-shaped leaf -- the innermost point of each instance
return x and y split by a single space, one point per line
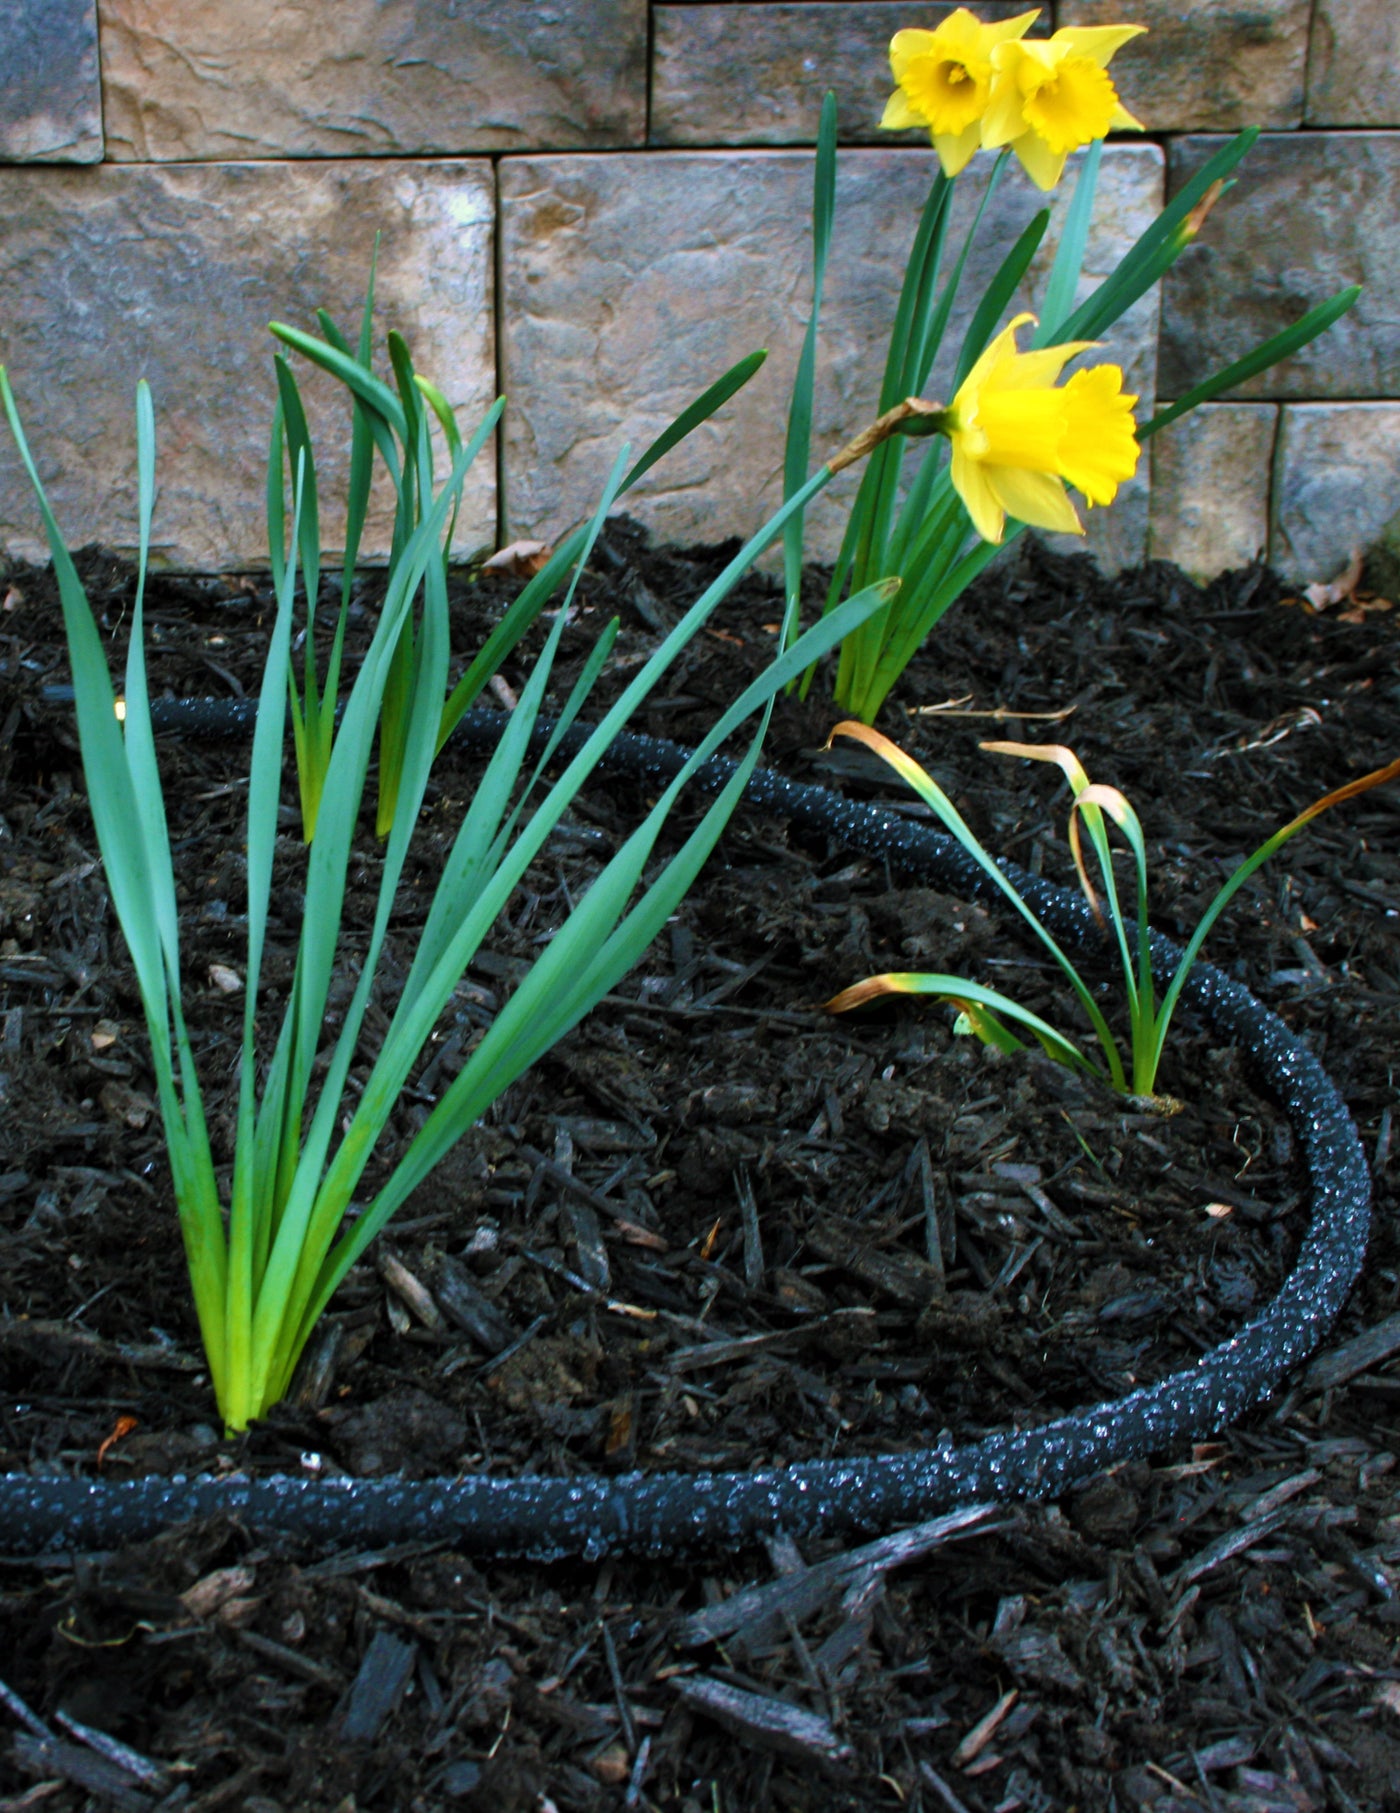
997 296
1065 272
797 452
1157 248
1280 346
540 589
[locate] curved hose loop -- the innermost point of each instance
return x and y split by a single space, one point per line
672 1513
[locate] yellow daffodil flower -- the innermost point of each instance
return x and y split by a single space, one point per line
1052 95
1017 440
944 81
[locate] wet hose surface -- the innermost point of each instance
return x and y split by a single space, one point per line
673 1514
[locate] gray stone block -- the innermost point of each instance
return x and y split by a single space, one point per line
1354 64
1337 484
370 78
1206 65
630 282
1211 472
50 100
172 272
1311 213
755 73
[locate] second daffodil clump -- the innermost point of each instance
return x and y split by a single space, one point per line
1017 440
978 86
949 479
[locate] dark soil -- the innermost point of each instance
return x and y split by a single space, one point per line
720 1229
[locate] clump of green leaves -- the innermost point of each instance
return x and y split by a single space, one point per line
265 1261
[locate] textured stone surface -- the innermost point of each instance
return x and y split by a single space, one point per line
1354 64
1310 214
754 72
172 273
630 282
50 103
370 78
1337 484
1211 474
1206 65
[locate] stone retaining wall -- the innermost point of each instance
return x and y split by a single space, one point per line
598 205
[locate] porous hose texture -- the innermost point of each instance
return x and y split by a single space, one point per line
677 1514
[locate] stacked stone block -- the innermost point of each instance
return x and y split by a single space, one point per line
599 205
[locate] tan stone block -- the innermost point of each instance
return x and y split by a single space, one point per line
50 100
173 273
755 73
1206 65
1211 473
369 78
630 282
1337 484
1354 64
1310 214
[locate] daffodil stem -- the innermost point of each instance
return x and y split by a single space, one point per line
913 416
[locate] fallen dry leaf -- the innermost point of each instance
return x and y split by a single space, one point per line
1340 590
1367 604
521 559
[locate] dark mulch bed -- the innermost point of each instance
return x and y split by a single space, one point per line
719 1229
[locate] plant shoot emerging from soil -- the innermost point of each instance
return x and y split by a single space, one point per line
985 1011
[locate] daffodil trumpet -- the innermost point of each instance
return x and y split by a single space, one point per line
947 487
990 1014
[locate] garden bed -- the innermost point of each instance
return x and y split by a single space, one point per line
717 1229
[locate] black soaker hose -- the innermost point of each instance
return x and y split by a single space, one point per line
671 1513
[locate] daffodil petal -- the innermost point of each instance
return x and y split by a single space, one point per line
1042 165
974 487
1011 58
1021 427
1042 365
956 150
995 351
1000 32
1097 42
906 45
1003 120
898 116
1036 498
